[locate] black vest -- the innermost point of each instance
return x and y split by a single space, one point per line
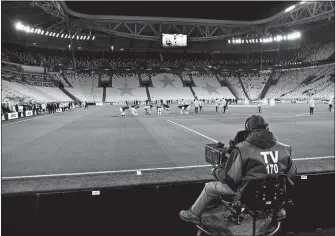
261 163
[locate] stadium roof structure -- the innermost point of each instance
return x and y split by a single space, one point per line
63 19
151 28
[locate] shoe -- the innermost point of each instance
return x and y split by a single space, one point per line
189 216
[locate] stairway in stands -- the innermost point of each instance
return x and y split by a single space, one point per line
148 93
230 87
65 79
193 91
243 88
267 85
61 87
104 94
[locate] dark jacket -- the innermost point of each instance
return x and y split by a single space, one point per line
252 160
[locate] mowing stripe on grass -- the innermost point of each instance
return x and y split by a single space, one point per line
136 171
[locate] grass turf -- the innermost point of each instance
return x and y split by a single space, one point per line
94 140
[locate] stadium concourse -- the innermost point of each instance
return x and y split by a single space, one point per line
98 148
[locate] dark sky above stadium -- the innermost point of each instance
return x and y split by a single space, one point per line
219 10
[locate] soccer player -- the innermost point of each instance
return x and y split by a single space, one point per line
86 106
224 105
147 108
181 107
200 105
134 109
166 107
196 105
159 108
330 104
122 110
216 104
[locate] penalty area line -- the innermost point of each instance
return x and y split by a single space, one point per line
137 171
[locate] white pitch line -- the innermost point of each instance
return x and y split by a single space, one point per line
312 158
103 172
307 114
193 131
135 170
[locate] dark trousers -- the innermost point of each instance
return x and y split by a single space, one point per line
330 107
200 108
259 109
311 110
196 110
216 108
224 109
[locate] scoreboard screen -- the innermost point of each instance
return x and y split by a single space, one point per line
174 40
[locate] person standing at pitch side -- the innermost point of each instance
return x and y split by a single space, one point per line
196 105
311 104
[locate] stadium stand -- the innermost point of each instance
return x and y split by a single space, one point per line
169 86
85 86
255 82
308 81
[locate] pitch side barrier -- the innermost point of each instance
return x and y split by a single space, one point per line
149 209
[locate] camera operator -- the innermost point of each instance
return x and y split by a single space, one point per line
249 159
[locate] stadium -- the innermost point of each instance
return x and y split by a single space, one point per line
107 110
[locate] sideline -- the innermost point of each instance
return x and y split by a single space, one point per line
307 114
136 171
4 125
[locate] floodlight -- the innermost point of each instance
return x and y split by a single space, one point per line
62 36
290 8
18 25
93 38
77 37
89 37
228 40
42 32
242 41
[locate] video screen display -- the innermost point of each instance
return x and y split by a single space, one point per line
174 40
